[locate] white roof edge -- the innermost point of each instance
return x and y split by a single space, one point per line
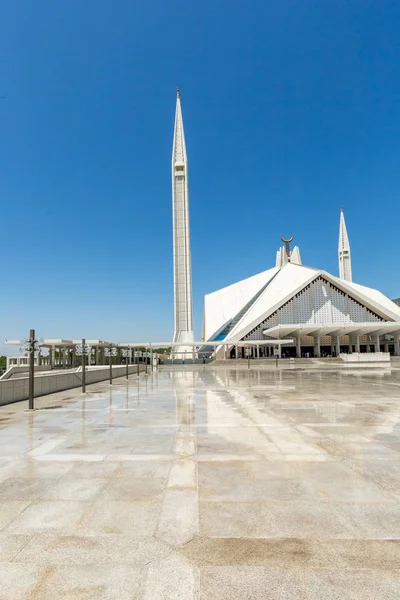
345 286
353 290
275 307
231 285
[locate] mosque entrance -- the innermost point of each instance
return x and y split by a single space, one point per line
289 352
326 351
307 351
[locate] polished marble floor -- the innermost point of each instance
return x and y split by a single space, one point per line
205 484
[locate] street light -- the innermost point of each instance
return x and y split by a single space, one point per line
248 352
276 352
111 351
127 353
31 345
83 350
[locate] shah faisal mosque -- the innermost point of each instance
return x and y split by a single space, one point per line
304 311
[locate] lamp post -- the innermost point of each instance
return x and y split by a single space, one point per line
30 345
276 351
83 350
127 353
248 352
110 352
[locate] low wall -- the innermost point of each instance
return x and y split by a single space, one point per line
23 371
366 359
15 390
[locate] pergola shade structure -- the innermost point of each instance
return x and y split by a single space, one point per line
323 314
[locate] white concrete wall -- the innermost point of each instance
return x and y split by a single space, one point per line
14 390
23 371
367 359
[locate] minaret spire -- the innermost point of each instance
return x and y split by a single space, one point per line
344 251
182 258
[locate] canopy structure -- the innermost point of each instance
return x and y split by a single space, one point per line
63 352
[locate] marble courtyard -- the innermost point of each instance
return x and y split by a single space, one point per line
205 483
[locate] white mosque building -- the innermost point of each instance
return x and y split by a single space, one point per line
318 314
322 314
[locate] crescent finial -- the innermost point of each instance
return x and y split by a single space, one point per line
287 241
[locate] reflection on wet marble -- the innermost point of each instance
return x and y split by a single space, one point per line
205 483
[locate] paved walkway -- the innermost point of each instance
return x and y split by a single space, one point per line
210 484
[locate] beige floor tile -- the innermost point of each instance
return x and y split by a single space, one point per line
17 488
87 582
91 549
11 545
9 509
48 517
19 582
310 520
74 489
121 517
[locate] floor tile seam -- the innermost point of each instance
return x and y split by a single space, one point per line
23 547
306 538
141 593
315 542
285 502
279 569
167 490
311 502
4 529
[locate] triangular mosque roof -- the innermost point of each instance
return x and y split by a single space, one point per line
222 305
236 309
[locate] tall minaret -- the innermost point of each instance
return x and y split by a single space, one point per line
182 259
344 251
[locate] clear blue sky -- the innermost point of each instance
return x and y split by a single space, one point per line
291 110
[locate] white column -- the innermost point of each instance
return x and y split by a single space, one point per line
298 346
358 343
377 345
337 345
225 352
397 346
317 346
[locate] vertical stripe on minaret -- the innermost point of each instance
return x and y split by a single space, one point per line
182 259
344 251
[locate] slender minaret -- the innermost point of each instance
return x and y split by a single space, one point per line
182 259
344 251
